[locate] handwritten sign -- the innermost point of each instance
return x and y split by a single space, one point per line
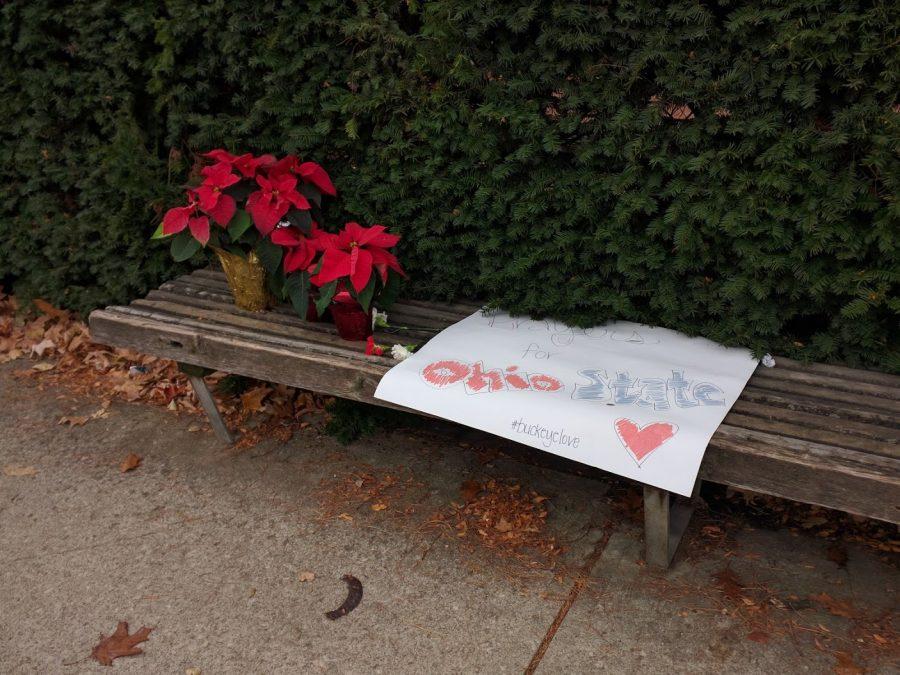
634 400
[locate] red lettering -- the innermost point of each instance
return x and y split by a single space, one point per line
544 383
480 381
477 380
442 374
516 381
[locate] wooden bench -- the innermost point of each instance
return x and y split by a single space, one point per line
820 434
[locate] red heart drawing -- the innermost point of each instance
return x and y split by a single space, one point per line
641 441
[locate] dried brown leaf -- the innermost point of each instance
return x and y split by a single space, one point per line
17 470
119 644
729 584
469 490
74 421
131 462
252 400
843 608
758 636
49 309
846 665
503 525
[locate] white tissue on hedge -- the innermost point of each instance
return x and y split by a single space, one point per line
768 361
379 319
400 352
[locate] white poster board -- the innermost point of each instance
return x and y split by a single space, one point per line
634 400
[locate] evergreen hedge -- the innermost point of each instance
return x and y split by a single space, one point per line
727 168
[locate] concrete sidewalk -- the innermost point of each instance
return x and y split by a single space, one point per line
205 545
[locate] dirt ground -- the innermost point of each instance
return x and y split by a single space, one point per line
474 556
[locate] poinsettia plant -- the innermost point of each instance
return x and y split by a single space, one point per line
239 204
355 263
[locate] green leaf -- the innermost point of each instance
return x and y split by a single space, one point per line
391 290
302 220
184 246
326 293
311 192
275 283
297 287
269 255
241 190
158 233
239 224
365 295
214 238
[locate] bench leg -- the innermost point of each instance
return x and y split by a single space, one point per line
204 395
665 520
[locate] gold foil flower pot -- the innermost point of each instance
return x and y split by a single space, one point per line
247 279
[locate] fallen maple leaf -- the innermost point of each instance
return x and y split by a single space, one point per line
74 421
834 607
758 636
303 577
119 644
18 470
49 309
469 490
253 399
503 525
132 461
79 421
728 582
846 665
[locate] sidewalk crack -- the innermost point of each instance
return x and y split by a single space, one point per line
575 591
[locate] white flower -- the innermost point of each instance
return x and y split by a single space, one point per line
768 361
379 319
400 352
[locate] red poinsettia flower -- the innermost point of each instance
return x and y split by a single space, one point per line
309 172
268 205
301 249
213 200
354 253
188 216
372 349
247 164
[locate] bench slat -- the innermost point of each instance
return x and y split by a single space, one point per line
825 394
849 486
313 369
353 353
817 434
844 425
778 375
831 412
858 374
287 317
